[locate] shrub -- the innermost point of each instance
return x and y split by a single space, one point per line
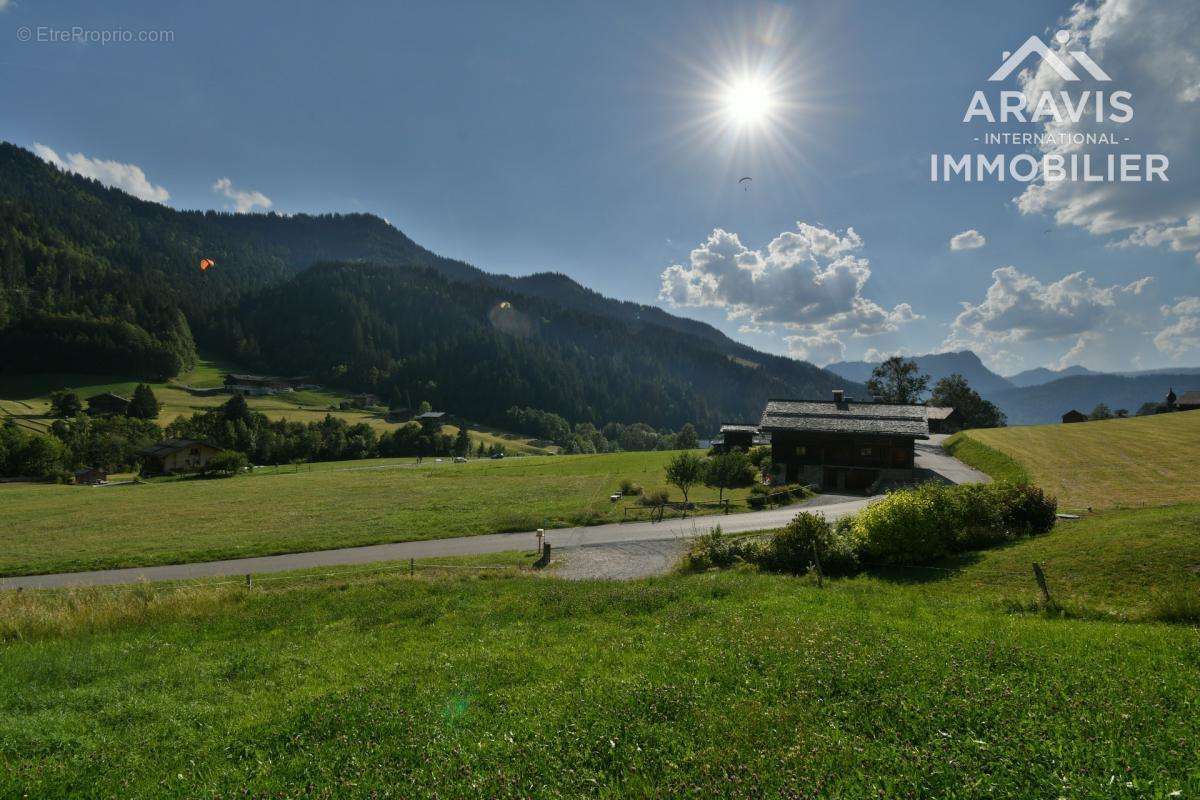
715 550
628 487
653 497
934 520
226 464
795 548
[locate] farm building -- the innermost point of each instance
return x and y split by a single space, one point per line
943 419
433 416
177 455
1189 400
107 404
90 476
738 435
842 444
1074 416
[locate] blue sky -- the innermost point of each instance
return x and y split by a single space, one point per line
592 139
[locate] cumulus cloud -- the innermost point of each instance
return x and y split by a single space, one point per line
967 240
5 5
1182 336
127 177
244 201
808 281
1149 49
1020 308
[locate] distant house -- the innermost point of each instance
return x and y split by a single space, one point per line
107 404
843 444
944 419
433 416
1074 416
738 435
177 455
90 476
1189 400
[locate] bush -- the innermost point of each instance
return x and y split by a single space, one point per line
629 488
794 548
935 520
226 464
714 550
654 497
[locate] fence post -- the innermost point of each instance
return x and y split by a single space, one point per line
412 566
249 581
820 572
544 558
1040 577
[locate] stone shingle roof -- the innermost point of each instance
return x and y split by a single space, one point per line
738 428
1189 398
871 419
938 412
168 446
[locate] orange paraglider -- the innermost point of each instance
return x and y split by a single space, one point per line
205 263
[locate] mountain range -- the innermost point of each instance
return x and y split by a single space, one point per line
95 280
1042 395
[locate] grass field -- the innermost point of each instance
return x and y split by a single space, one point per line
26 398
493 684
1143 461
46 528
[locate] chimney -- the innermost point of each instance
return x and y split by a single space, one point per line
839 396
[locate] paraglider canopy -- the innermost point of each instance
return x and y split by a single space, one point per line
745 183
205 263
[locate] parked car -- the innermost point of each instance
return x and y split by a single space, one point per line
460 459
497 455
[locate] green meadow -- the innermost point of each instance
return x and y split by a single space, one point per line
1143 461
499 683
47 528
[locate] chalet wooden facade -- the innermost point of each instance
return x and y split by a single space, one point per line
841 444
107 404
944 419
1074 416
177 455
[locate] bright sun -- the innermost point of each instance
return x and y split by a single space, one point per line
748 101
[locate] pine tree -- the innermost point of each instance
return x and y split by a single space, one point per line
143 405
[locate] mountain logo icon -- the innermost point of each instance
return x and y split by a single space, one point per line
1035 45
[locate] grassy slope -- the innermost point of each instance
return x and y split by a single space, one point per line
27 398
1120 462
730 684
47 528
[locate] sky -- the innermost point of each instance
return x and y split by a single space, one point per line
607 141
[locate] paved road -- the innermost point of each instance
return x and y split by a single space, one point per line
614 533
929 457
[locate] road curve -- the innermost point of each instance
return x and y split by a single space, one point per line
559 538
929 457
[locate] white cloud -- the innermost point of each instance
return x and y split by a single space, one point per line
5 5
1149 49
1182 336
807 281
1019 308
127 177
967 240
244 201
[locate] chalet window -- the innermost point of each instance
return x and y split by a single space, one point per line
195 451
866 451
801 450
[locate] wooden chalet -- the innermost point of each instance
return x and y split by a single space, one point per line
1074 416
107 404
90 476
842 444
736 435
177 455
944 419
1189 400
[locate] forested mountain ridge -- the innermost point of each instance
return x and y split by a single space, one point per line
91 277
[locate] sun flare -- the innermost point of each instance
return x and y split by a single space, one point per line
748 101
